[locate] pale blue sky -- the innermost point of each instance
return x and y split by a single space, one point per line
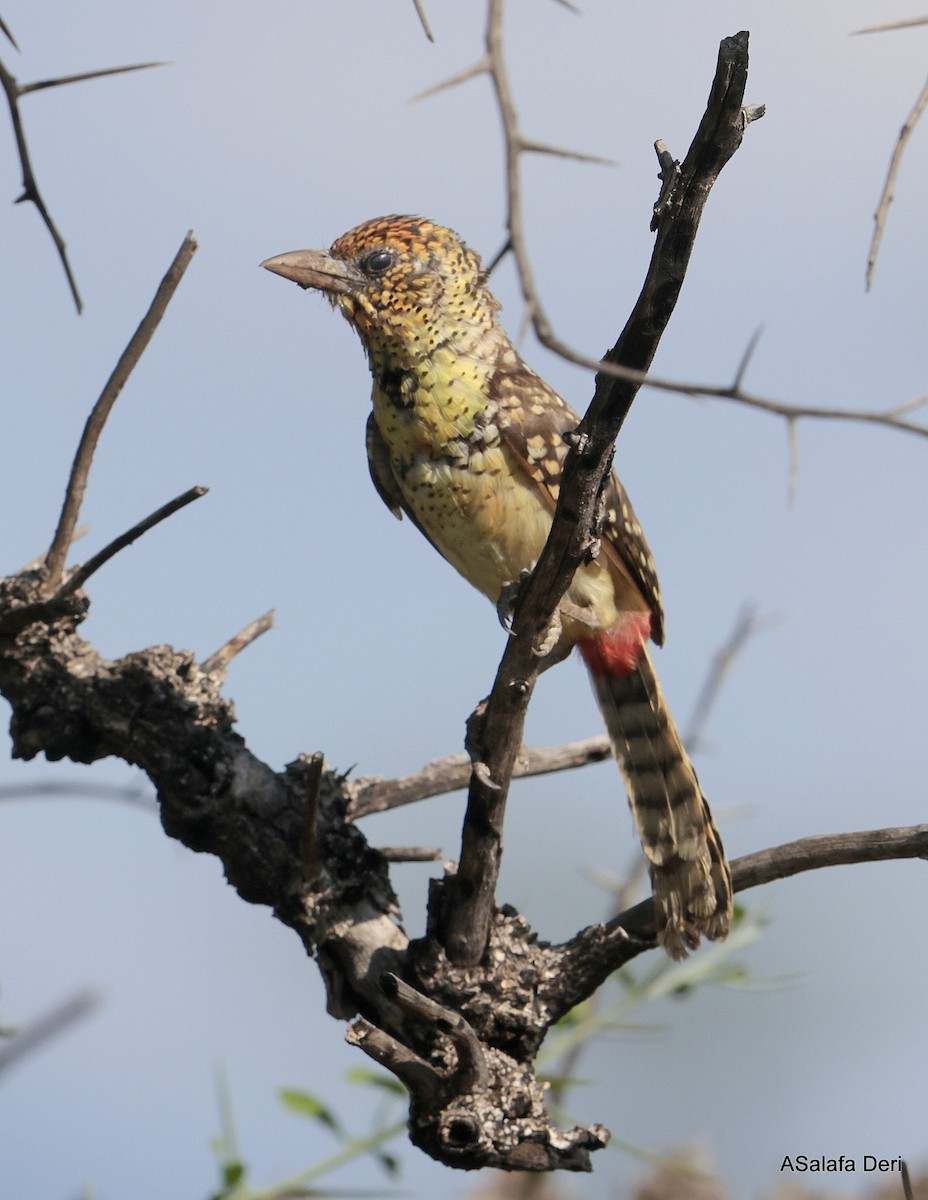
279 127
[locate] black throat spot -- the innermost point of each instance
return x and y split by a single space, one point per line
399 387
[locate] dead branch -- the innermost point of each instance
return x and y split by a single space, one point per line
79 577
241 641
468 903
452 773
588 959
74 495
217 797
407 854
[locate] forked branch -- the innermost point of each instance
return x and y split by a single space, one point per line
80 469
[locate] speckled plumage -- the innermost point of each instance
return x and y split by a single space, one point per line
469 442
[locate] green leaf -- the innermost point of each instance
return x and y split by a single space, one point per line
305 1104
389 1162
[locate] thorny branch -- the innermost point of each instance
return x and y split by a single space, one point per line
516 144
14 91
462 1038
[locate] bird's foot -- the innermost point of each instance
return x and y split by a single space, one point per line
508 598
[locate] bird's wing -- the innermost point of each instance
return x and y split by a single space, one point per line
533 421
378 462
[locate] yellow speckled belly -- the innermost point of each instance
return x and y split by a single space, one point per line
490 522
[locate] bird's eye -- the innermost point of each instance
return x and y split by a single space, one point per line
377 262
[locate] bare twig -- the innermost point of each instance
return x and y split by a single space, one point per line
235 645
590 957
388 1052
471 1061
74 495
810 854
14 92
828 850
889 187
49 1026
79 577
405 854
451 774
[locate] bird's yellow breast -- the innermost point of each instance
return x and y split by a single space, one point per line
466 489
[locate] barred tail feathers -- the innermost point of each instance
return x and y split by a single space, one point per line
689 871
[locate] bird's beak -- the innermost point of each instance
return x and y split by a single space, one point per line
314 269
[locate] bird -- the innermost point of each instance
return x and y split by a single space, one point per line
469 443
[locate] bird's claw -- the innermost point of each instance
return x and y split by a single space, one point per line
506 604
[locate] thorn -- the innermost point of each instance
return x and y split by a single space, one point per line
531 147
5 29
481 67
499 256
424 20
792 434
41 84
746 358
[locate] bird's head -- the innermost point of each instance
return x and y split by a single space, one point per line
408 286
